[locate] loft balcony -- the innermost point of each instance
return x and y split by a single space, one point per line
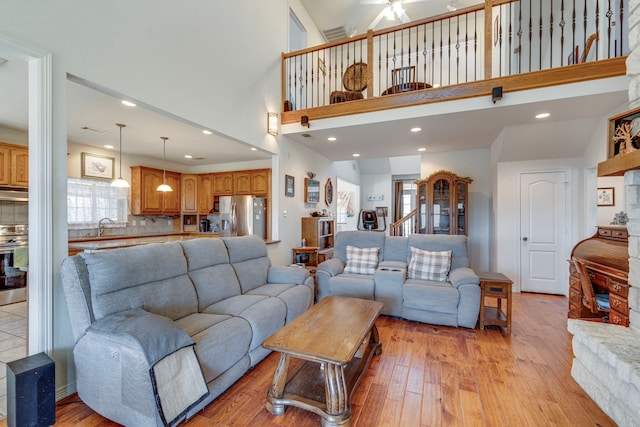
511 45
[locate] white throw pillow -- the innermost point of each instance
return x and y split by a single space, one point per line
361 260
429 265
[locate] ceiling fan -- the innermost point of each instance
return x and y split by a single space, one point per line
392 9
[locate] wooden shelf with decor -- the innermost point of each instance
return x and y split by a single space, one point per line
623 151
318 232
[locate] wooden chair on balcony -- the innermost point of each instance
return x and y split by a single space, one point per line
403 77
598 304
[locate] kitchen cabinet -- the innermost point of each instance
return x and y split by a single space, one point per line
205 193
260 182
146 200
443 204
242 182
223 184
14 165
189 193
171 200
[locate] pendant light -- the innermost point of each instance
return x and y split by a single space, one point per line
120 182
164 187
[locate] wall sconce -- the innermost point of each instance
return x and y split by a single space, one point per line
496 94
272 123
304 121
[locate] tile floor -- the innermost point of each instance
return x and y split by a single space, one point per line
13 343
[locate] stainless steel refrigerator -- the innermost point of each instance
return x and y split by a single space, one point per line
243 215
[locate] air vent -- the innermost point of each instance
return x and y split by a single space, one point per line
306 135
334 34
101 132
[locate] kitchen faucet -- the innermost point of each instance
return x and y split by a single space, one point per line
101 226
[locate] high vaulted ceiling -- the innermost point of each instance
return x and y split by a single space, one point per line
576 112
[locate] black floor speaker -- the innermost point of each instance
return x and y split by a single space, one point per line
31 392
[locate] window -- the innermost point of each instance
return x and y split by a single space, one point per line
90 200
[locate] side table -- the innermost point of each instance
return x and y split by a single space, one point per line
498 286
308 254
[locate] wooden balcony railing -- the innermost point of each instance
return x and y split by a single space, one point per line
406 225
516 44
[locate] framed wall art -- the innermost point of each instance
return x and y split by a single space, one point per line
311 190
97 166
289 186
606 196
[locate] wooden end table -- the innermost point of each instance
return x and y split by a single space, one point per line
337 339
498 286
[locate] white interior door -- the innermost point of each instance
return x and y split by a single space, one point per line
543 231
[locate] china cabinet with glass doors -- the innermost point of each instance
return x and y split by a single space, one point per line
443 204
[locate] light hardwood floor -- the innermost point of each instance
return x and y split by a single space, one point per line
432 376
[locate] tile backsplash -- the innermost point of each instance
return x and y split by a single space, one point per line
147 224
12 212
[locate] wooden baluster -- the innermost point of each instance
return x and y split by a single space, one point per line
562 23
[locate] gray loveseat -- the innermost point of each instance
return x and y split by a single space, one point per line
453 302
133 308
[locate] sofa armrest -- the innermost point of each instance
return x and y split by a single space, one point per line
331 266
287 274
463 276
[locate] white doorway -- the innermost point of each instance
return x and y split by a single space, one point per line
543 231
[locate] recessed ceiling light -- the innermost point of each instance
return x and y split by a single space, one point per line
356 154
422 149
254 149
128 103
416 129
331 138
110 147
542 115
188 156
207 132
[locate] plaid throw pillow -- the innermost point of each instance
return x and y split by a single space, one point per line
361 260
428 265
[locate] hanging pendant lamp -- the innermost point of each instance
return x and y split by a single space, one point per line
120 182
164 187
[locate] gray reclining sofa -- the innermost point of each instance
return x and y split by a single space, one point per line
201 308
454 301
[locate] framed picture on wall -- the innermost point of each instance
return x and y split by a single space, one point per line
97 166
606 196
289 186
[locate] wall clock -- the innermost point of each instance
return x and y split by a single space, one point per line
355 78
328 192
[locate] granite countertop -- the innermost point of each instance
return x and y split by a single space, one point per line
111 242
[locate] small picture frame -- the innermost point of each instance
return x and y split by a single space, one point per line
289 186
606 196
382 211
97 166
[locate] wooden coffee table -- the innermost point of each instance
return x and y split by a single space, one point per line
337 339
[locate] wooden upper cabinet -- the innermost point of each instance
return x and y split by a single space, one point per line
223 184
242 182
144 197
205 193
20 167
189 193
5 165
260 182
14 165
171 199
146 200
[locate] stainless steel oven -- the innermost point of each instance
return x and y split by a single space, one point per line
14 243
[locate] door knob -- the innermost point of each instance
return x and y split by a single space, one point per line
525 238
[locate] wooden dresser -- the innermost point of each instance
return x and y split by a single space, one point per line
606 256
